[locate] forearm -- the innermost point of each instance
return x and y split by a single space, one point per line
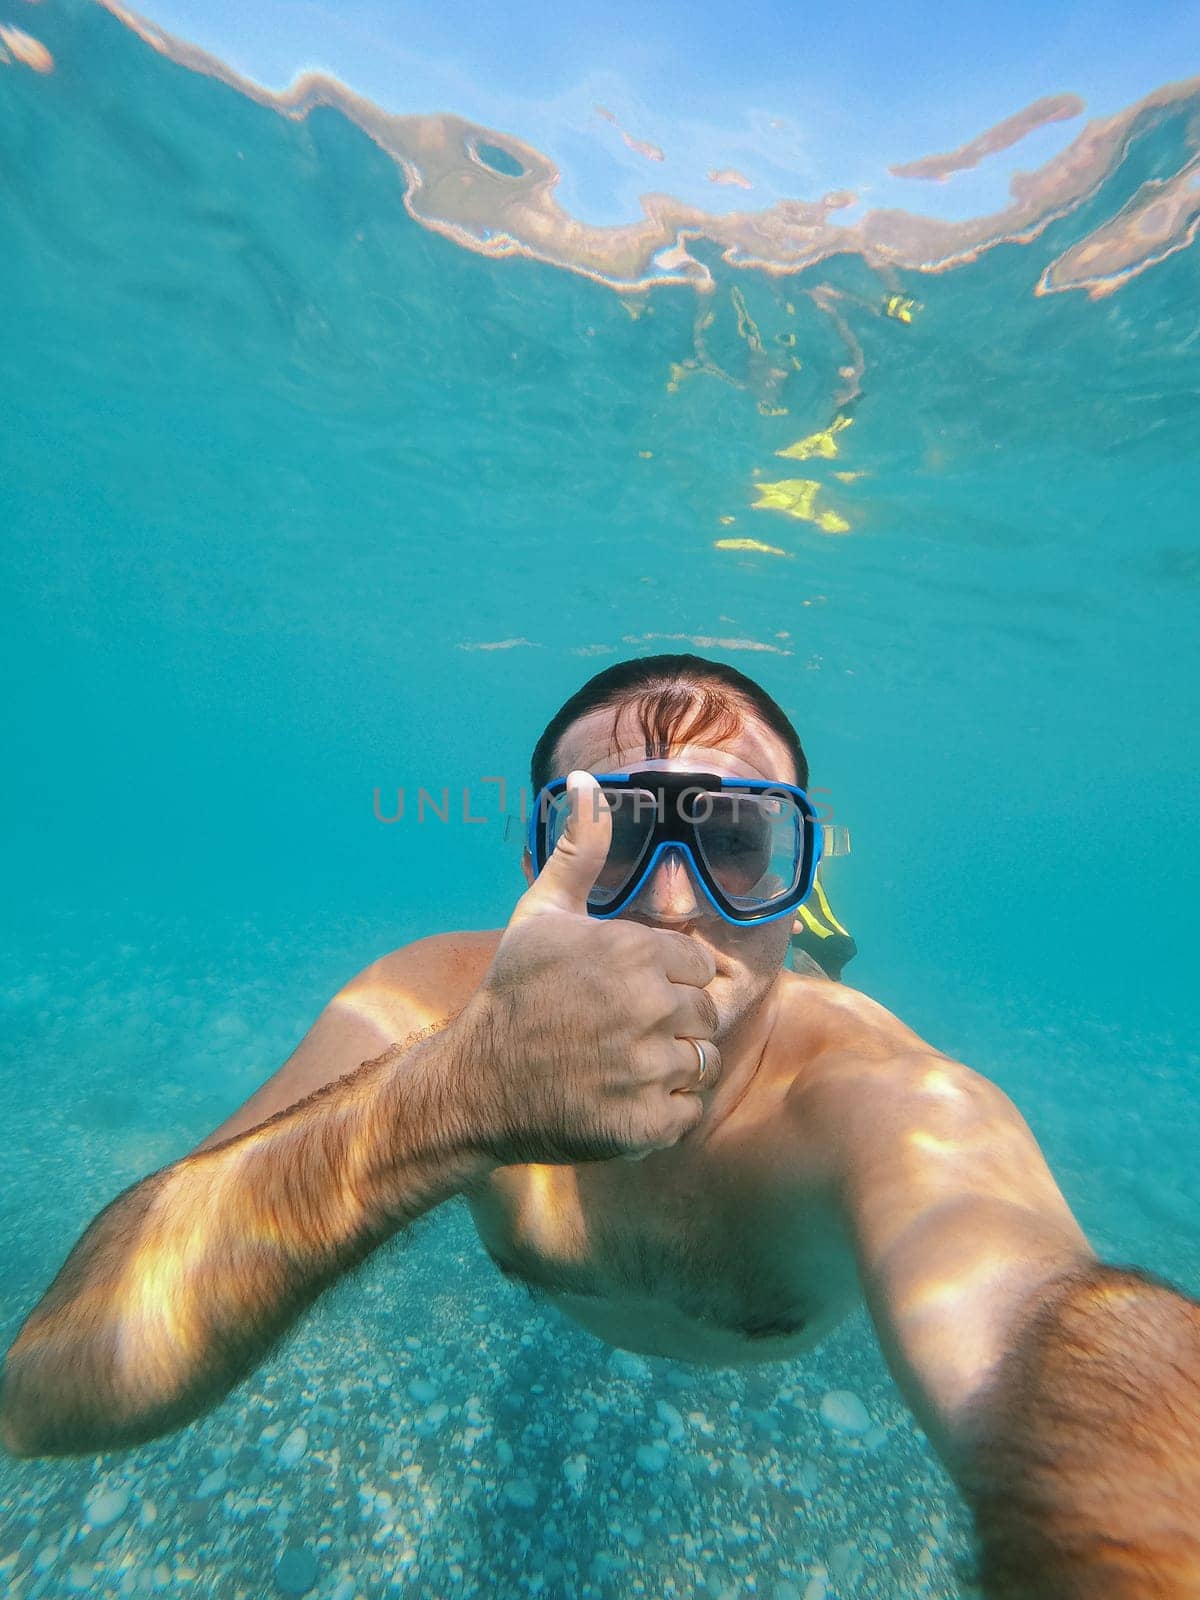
1083 1466
179 1287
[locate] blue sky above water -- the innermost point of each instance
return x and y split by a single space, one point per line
800 98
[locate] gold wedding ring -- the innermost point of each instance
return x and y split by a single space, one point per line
700 1051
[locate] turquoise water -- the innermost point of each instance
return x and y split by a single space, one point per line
301 499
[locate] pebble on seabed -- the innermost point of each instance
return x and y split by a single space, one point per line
844 1412
296 1570
626 1365
104 1508
652 1457
521 1492
293 1447
671 1416
806 1479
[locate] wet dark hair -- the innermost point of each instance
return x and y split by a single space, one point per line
673 699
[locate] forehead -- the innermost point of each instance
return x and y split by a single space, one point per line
754 751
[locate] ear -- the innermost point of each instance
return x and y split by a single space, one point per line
527 865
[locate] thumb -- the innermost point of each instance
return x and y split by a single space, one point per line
581 851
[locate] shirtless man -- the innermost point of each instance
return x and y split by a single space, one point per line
788 1146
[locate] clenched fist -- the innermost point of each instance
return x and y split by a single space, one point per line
581 1029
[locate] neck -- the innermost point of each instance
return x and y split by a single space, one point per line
742 1048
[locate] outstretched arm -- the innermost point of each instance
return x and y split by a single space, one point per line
575 1046
181 1285
1063 1395
1082 1456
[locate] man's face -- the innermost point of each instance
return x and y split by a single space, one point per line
748 959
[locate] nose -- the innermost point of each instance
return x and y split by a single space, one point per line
670 893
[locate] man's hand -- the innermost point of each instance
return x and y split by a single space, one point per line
582 1028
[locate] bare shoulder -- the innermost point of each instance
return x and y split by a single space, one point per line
864 1079
422 982
819 1018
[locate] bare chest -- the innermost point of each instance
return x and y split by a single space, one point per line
704 1265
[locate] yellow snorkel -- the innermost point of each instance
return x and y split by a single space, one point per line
816 930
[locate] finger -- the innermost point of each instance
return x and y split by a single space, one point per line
695 1015
684 960
682 1115
576 860
685 1079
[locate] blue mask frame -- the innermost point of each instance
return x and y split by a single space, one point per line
672 829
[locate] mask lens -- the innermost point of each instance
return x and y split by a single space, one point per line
753 844
633 816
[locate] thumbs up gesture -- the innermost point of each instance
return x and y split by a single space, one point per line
581 1030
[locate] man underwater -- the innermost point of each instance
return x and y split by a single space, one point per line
789 1147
